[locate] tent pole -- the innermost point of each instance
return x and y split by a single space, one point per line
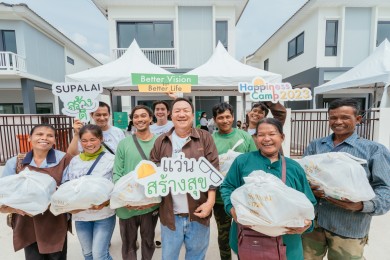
375 92
243 107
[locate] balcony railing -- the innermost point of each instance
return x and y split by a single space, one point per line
11 62
163 57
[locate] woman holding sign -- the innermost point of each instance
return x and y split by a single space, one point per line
269 136
44 235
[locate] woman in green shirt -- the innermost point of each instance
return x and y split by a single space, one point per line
269 136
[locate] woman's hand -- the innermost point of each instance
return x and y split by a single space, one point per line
299 230
204 210
77 125
76 211
8 210
233 213
101 206
141 207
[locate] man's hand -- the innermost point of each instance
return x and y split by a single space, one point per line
317 191
204 210
141 207
346 204
77 125
299 230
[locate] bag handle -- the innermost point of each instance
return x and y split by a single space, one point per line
141 152
95 162
239 142
108 148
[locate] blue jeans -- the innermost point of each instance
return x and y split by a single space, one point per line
95 237
194 235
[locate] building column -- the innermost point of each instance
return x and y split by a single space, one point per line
28 96
116 105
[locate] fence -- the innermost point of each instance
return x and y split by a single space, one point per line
14 131
312 124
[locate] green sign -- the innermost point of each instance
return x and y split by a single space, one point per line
121 120
139 79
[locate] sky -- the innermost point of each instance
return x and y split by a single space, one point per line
83 23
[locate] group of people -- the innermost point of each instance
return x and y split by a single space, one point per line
339 230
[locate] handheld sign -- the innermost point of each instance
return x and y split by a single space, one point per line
177 175
260 90
79 98
164 83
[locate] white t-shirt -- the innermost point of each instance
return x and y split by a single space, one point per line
111 138
103 168
180 203
203 121
251 131
161 129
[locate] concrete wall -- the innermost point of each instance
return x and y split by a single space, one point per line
45 56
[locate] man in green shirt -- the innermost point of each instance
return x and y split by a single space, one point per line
126 159
225 139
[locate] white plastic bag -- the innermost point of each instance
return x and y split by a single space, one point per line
29 191
81 193
339 174
128 192
266 204
226 159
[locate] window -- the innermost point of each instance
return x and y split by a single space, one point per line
147 34
266 65
331 38
42 108
8 41
221 33
295 46
383 32
70 60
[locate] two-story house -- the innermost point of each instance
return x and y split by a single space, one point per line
34 55
176 35
322 40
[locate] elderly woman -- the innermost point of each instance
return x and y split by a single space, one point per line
42 236
94 226
269 136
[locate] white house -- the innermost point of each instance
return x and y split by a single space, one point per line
322 40
176 35
34 55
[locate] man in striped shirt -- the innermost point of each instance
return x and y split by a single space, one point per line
342 226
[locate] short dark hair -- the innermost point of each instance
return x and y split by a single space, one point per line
182 99
155 103
262 106
344 102
270 121
103 104
150 112
221 108
93 129
42 125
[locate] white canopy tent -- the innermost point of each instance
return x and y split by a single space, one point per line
115 76
223 73
369 75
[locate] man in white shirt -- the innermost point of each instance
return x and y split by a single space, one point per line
161 112
111 134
